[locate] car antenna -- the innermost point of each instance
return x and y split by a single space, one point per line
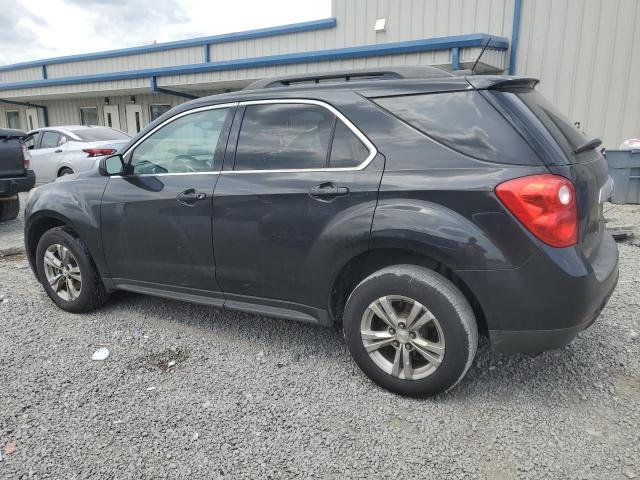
480 56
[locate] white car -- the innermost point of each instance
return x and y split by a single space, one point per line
57 151
631 144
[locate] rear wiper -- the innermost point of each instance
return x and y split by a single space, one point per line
595 143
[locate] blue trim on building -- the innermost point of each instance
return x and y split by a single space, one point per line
515 33
455 58
205 54
44 72
156 89
413 46
193 42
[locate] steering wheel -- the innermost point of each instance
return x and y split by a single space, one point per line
183 162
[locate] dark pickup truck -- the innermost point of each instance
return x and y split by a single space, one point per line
15 175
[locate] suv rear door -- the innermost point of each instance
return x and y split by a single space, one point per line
567 152
296 196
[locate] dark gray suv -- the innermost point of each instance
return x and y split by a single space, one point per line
414 207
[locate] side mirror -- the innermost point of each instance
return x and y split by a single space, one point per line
112 165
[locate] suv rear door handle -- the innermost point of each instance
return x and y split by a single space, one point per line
327 191
190 197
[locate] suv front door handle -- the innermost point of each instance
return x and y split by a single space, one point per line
327 191
190 197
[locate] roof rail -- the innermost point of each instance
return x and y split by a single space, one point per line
382 73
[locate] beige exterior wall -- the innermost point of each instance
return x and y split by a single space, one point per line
587 55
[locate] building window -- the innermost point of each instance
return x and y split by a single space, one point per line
156 111
89 116
13 119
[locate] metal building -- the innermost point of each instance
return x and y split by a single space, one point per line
586 52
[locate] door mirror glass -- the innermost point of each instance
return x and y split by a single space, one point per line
113 165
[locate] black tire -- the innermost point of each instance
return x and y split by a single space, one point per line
92 292
9 208
65 171
443 299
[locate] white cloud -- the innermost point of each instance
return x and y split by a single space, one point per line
45 28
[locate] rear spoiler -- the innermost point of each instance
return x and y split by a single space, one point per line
495 82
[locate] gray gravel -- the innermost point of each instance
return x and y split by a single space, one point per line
253 397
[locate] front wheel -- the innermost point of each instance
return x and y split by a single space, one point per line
68 273
410 330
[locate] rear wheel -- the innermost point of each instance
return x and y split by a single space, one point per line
9 208
410 330
67 271
65 171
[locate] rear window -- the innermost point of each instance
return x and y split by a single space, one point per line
100 134
552 121
465 122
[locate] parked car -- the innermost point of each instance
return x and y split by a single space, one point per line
58 151
416 208
15 174
630 144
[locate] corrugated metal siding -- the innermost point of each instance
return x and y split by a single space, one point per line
406 20
21 75
67 111
180 56
587 55
441 57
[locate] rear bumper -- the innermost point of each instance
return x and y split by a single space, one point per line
545 303
11 186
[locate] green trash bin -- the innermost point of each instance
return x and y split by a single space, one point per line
624 168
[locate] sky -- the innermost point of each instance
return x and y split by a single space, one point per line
37 29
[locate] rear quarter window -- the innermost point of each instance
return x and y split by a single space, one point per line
464 122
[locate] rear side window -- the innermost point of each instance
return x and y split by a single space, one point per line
49 140
465 122
346 149
551 121
284 136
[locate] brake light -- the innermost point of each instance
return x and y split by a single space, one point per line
545 205
26 157
98 152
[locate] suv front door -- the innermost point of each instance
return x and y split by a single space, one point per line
297 194
156 218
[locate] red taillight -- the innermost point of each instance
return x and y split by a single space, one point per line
98 152
26 157
545 204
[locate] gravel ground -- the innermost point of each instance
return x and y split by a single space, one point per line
254 397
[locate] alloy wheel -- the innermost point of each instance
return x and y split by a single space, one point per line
402 337
63 272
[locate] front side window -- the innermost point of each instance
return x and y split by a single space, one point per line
284 136
89 116
185 145
156 111
49 140
13 120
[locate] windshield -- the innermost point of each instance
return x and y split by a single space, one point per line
99 134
